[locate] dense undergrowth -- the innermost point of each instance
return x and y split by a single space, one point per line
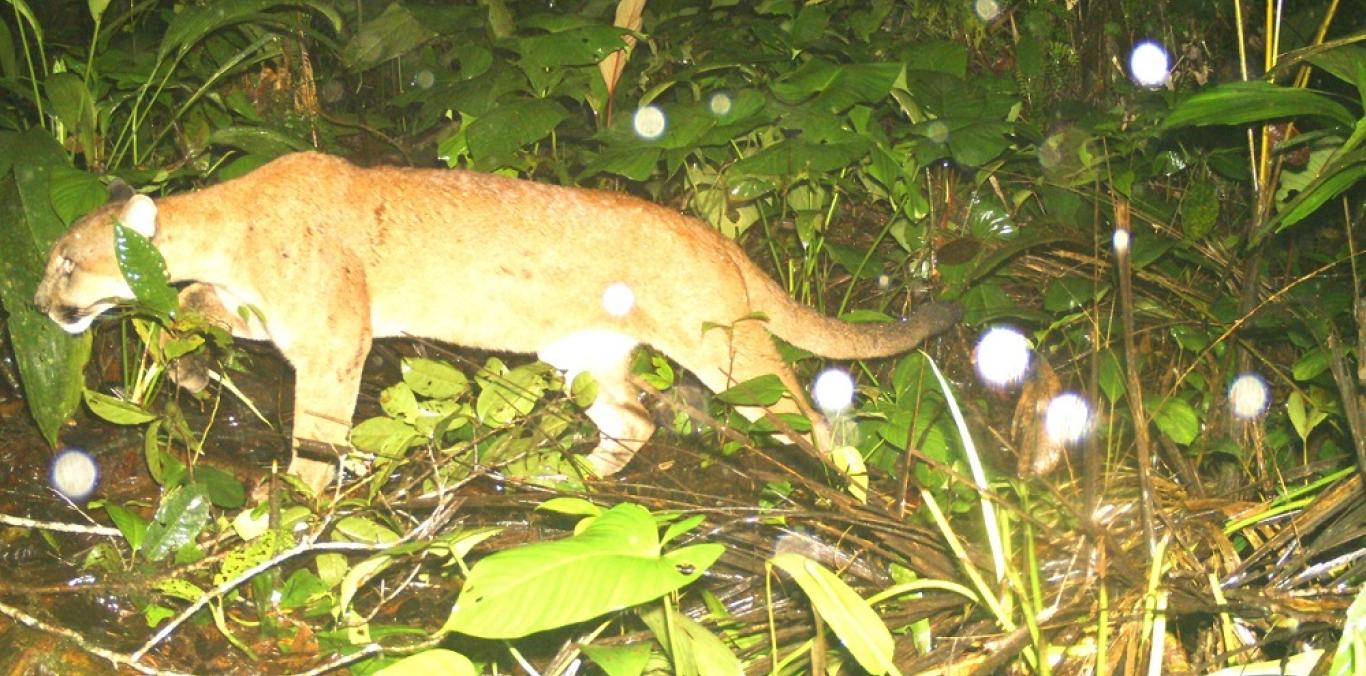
1180 261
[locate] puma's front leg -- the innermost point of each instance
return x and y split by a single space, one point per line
327 345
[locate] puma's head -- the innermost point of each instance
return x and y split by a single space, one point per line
83 277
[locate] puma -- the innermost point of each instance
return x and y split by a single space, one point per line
328 256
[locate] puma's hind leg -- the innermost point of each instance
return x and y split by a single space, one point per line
623 423
728 356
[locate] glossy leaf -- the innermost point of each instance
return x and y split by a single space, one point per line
613 564
849 616
764 390
1176 419
194 23
117 411
50 360
428 662
495 138
1241 102
145 271
181 516
434 379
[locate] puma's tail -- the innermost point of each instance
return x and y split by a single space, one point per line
829 337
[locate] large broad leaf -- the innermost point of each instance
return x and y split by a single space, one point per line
764 390
496 137
434 661
145 271
614 563
849 616
392 34
50 360
793 157
1242 102
178 520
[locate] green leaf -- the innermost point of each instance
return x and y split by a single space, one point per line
132 526
117 411
179 519
614 563
263 142
496 137
505 395
764 390
301 588
793 157
50 360
385 436
1177 419
1310 364
398 401
1065 294
1236 103
194 23
223 489
145 271
1350 656
434 379
619 660
849 616
75 192
361 529
97 8
71 102
428 662
581 46
388 36
395 32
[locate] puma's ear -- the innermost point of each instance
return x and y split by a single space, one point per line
140 214
119 190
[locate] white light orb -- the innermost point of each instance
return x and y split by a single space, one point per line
1067 419
74 474
720 103
1149 65
1002 356
618 300
986 9
424 79
1248 396
649 122
1120 240
833 391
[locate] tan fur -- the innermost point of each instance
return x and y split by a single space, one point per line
333 256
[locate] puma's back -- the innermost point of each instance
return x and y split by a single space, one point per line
332 255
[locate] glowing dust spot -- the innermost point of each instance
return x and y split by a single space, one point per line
1248 396
649 122
1067 419
1121 241
1002 356
833 391
719 103
618 300
1149 64
74 474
